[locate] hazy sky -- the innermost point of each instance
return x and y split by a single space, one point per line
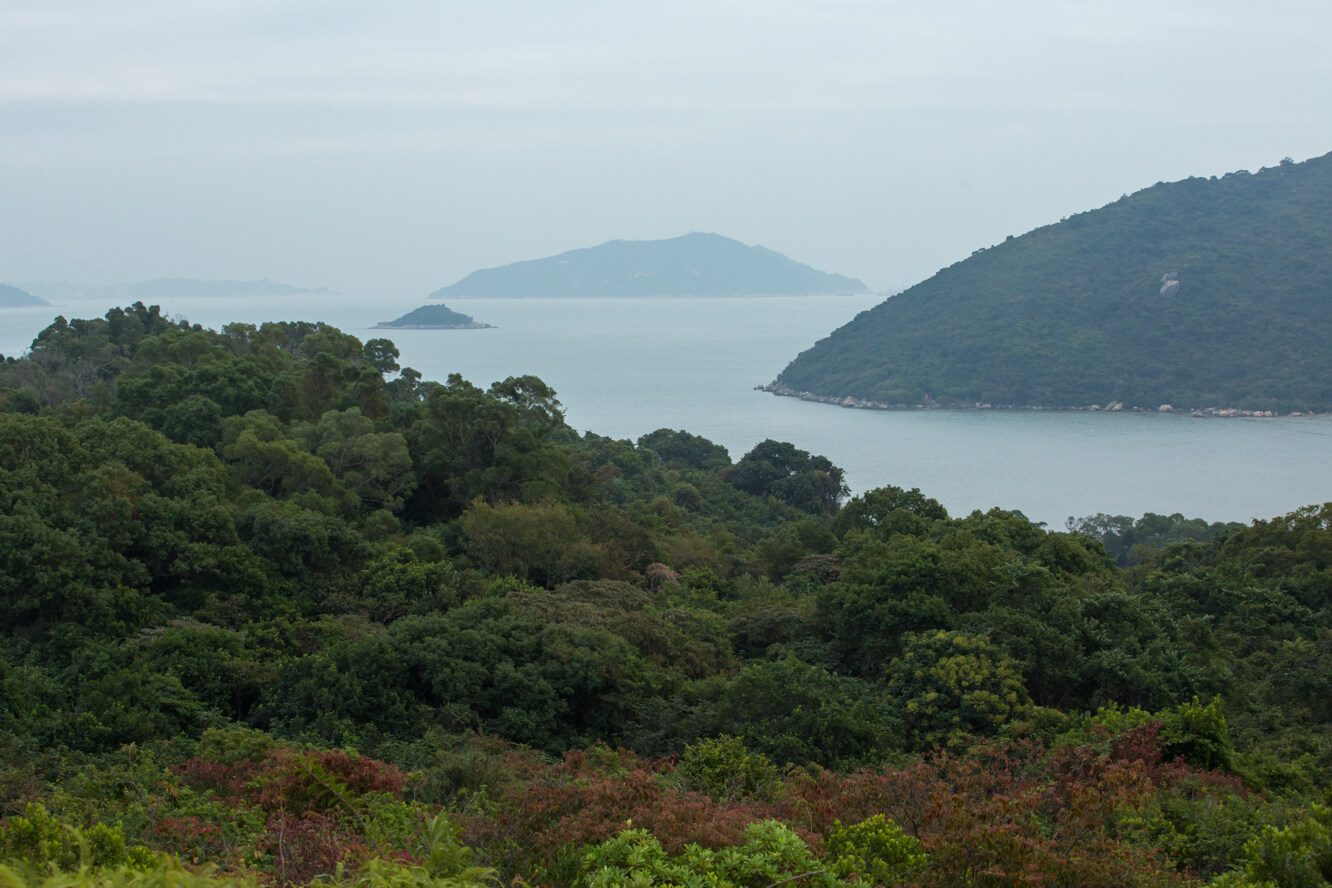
394 147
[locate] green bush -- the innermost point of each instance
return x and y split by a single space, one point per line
36 841
771 854
164 875
726 770
445 863
874 851
952 684
1198 734
1296 856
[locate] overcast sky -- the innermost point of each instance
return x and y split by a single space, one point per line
395 147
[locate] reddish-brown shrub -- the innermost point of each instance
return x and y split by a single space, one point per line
1006 814
288 780
301 848
590 798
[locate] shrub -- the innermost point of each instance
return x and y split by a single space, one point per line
1296 856
874 851
771 854
37 841
725 770
164 875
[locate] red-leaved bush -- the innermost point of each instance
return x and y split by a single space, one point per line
584 801
1007 814
309 797
290 780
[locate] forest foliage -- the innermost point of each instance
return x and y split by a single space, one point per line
279 610
1195 294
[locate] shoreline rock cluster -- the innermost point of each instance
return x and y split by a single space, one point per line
1112 407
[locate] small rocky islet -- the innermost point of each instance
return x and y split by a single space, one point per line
433 317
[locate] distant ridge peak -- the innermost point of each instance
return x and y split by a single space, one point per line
693 264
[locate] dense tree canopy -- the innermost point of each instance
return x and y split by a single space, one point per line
224 553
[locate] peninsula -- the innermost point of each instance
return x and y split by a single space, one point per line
13 297
692 265
1207 295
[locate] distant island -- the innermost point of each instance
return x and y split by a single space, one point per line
433 317
691 265
1211 295
171 288
13 297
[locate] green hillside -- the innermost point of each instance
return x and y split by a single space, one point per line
693 265
276 611
1200 293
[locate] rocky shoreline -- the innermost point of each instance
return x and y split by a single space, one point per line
1111 407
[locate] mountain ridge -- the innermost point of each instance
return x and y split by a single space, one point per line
696 264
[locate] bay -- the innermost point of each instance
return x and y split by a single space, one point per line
623 368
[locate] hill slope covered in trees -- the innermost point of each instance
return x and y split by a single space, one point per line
1200 293
271 603
693 265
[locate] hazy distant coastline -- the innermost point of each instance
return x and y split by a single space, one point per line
14 297
160 289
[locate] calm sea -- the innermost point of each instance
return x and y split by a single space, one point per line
623 368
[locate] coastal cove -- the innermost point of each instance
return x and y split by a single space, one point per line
623 368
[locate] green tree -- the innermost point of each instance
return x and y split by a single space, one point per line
264 457
792 711
382 354
1294 856
400 583
777 469
376 467
887 511
680 449
487 664
531 542
468 443
951 684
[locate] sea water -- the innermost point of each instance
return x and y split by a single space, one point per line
623 368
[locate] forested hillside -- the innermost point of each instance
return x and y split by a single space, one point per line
1201 293
276 610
